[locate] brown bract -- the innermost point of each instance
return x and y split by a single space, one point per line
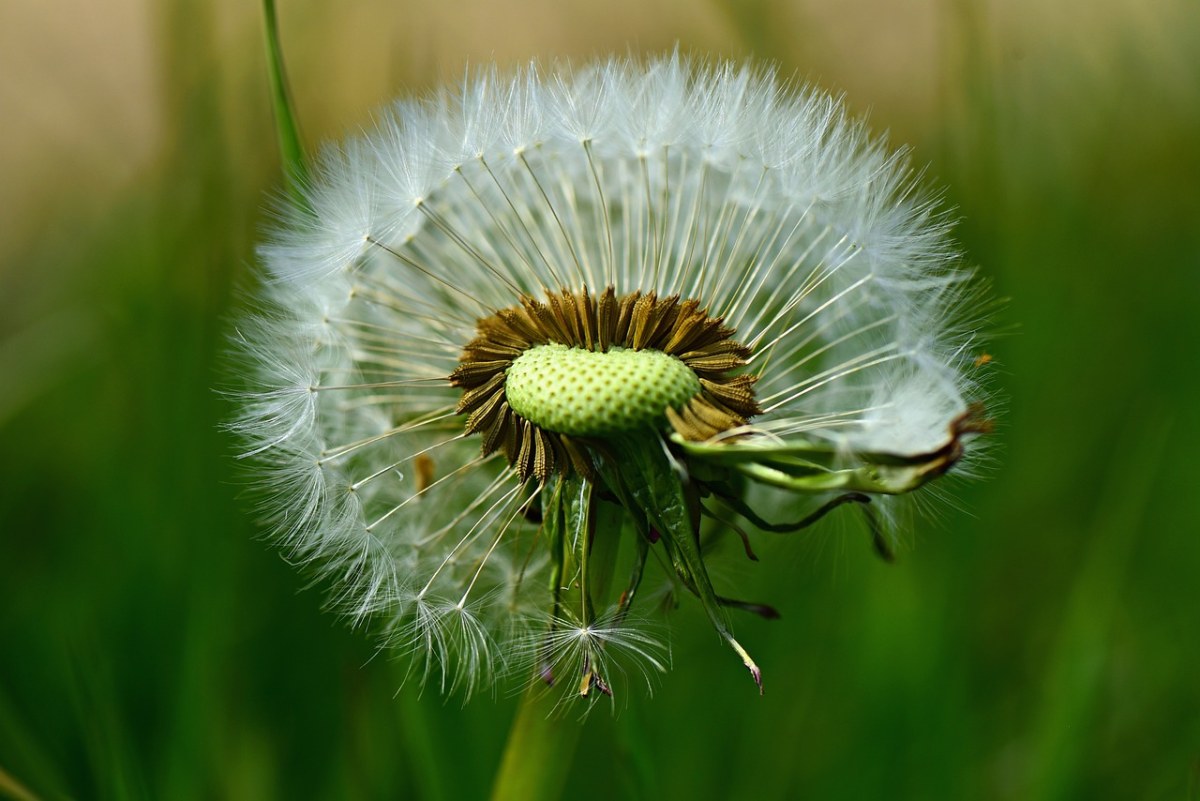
636 321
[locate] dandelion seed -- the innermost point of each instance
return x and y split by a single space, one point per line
529 341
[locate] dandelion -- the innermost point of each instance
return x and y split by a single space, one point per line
534 346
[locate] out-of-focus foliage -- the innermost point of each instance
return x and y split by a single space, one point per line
1038 642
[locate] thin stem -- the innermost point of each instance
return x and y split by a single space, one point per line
295 167
538 756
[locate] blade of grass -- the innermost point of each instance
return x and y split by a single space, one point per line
295 167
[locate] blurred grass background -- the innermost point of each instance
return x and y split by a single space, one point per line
1041 641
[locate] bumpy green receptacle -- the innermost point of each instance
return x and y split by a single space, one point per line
582 393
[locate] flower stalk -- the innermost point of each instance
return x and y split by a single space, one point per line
537 756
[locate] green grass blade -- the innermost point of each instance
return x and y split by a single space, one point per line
295 167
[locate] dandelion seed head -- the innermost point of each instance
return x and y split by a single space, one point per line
523 331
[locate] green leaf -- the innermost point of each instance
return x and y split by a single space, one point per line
645 477
872 478
552 530
759 450
578 574
578 529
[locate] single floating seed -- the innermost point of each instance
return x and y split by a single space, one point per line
585 393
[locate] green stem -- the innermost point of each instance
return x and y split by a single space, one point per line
295 166
540 747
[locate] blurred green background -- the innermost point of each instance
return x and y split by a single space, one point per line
1040 641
